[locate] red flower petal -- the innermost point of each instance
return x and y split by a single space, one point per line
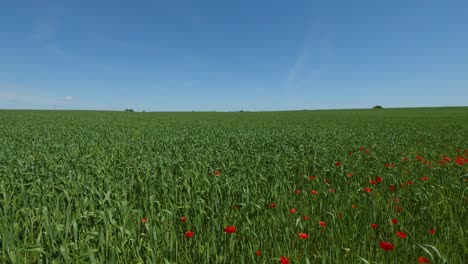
422 259
401 234
386 246
230 229
189 234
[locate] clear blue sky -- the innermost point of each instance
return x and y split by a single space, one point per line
231 55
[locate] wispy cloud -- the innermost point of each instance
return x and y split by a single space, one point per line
190 14
13 96
305 75
28 98
309 64
45 28
297 70
47 23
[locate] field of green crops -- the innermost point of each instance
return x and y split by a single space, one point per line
344 186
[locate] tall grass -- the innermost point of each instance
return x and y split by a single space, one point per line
75 186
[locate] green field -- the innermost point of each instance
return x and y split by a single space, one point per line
111 187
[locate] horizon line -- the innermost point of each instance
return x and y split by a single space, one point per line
229 111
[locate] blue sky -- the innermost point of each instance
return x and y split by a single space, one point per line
231 55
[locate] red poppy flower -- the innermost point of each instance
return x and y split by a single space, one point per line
432 231
189 234
313 192
349 175
144 220
292 211
236 207
331 190
284 260
353 206
258 253
338 164
367 151
391 187
303 235
401 234
361 148
372 182
350 153
322 224
394 221
386 245
298 191
272 205
374 226
367 189
410 182
398 209
378 179
217 173
230 229
183 219
311 178
460 160
422 259
305 218
327 181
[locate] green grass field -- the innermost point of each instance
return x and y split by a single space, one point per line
112 187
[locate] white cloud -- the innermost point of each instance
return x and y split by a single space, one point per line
31 98
294 75
45 30
28 97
